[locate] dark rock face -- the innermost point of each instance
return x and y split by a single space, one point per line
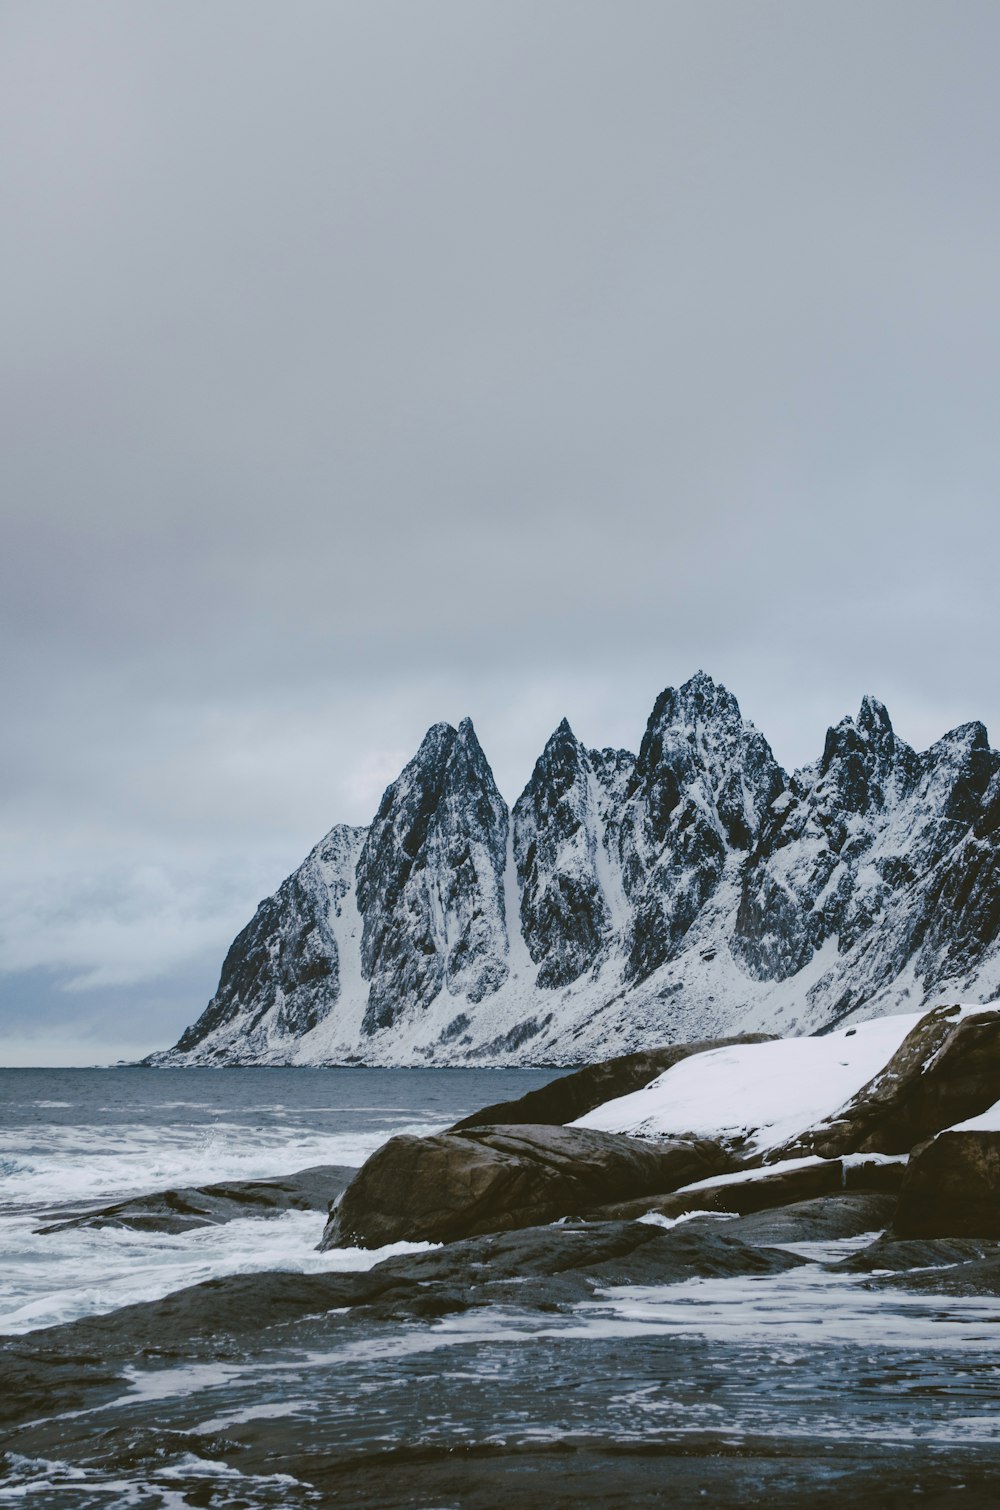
952 1188
572 1096
944 1072
877 846
570 883
430 880
454 1185
703 781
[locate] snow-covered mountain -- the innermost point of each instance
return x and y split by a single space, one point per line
689 891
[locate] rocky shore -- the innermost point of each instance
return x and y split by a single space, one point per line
631 1154
623 1310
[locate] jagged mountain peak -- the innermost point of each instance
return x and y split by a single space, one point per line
698 748
687 890
700 718
430 880
699 700
864 765
443 751
467 734
703 782
957 770
440 736
562 749
446 739
962 740
568 878
562 737
873 718
467 759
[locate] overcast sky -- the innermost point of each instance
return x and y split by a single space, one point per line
366 365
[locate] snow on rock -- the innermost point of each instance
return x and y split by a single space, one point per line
691 891
987 1121
786 1166
756 1096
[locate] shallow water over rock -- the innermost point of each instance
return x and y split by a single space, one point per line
789 1386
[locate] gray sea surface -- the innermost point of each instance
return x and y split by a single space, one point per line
73 1139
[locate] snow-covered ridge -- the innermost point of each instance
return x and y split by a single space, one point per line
689 891
761 1096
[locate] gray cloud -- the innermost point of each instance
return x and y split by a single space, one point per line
364 365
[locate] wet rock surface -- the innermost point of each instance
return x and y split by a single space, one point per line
899 1255
930 1266
209 1205
973 1277
452 1185
513 1368
539 1268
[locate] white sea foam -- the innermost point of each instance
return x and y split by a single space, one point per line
38 1480
804 1306
86 1271
74 1141
49 1166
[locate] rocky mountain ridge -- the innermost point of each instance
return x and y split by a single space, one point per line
688 891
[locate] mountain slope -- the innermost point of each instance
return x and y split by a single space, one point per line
688 891
430 881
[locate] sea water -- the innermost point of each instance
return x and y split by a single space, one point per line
77 1139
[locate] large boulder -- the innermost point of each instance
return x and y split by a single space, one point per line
494 1179
947 1069
572 1096
951 1187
